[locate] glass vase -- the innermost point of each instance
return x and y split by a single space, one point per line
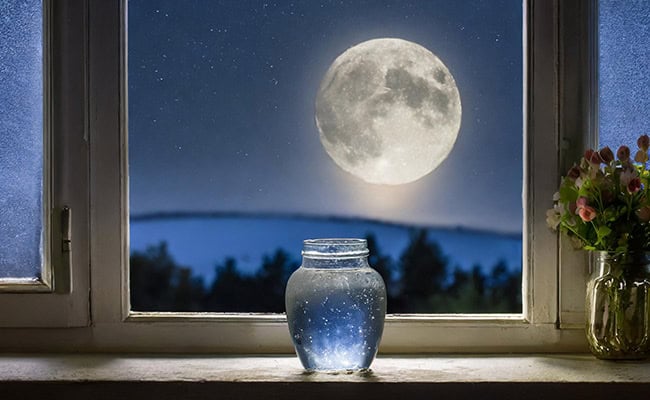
618 306
336 305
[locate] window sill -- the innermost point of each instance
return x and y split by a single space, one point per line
162 377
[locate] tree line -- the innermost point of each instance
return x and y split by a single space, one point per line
420 280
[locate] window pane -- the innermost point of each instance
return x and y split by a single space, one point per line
242 144
21 138
624 57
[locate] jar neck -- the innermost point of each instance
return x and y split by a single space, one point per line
630 257
335 262
335 253
617 263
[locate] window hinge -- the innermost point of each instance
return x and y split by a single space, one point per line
62 273
66 230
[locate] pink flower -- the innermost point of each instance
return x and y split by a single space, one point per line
643 142
573 208
634 185
581 202
606 154
623 153
643 213
587 213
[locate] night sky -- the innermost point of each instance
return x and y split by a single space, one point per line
221 108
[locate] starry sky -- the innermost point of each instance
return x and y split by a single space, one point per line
221 108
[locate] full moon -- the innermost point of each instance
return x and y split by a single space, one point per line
388 111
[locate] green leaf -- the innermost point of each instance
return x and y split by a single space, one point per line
603 231
568 194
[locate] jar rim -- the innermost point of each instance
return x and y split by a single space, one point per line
619 253
335 247
618 256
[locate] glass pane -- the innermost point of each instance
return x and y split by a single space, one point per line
242 144
21 138
624 57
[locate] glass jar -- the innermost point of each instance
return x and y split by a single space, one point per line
618 308
336 305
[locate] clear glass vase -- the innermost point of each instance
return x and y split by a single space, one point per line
336 305
618 306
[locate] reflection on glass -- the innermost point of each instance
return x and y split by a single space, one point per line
21 138
272 122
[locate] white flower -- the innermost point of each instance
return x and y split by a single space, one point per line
626 176
552 218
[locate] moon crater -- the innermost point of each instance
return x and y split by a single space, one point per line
388 111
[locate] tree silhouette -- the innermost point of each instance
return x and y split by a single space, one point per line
476 292
423 270
231 291
382 263
466 293
418 282
271 281
505 289
157 283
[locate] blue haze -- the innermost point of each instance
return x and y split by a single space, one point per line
202 242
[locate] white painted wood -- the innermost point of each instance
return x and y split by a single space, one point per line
109 185
578 132
270 335
115 329
540 162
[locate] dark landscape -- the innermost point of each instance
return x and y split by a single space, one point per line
426 270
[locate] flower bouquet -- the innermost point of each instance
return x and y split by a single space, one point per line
603 205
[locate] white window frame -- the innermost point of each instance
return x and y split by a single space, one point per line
551 30
60 297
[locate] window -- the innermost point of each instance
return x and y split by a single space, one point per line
604 101
43 167
102 131
229 95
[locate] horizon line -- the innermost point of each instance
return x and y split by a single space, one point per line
180 214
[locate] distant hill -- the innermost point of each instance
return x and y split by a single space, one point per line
202 239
